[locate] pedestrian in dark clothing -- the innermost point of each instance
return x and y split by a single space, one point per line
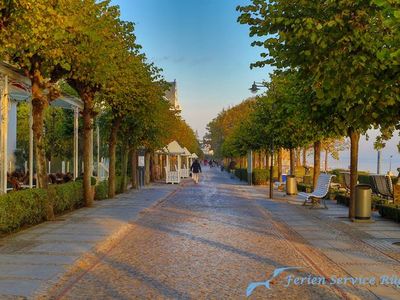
196 169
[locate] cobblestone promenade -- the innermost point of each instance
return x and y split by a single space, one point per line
210 241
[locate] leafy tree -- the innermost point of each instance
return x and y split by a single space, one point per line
125 94
33 35
336 44
333 146
223 125
58 125
99 38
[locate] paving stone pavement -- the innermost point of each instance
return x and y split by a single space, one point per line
209 241
34 259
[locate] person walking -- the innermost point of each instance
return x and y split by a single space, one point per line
196 169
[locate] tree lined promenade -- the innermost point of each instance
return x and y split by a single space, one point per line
196 241
84 49
336 74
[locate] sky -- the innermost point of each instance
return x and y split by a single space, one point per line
200 44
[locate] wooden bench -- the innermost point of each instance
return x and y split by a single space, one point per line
319 193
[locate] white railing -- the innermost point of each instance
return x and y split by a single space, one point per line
172 176
103 171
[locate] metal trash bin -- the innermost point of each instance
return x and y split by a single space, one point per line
291 185
363 202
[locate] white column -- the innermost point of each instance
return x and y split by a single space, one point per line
12 134
168 166
76 149
30 147
4 133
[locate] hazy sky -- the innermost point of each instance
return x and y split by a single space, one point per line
200 44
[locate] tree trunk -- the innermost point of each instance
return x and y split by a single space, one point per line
124 167
280 154
39 103
147 169
87 139
134 168
326 160
271 175
292 162
152 167
304 156
354 140
267 156
112 150
298 156
317 162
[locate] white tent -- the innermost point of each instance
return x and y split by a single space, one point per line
174 150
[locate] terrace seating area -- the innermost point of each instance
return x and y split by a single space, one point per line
19 180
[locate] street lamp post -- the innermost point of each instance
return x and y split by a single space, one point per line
255 87
271 172
378 169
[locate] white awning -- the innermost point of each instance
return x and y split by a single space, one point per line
162 151
20 89
187 152
175 149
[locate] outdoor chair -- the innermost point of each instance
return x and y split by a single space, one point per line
374 187
319 193
383 185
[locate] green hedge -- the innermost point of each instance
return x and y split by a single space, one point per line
260 176
66 197
30 207
102 188
241 174
306 188
342 199
22 208
33 206
390 211
363 177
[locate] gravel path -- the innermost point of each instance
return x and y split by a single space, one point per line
205 241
